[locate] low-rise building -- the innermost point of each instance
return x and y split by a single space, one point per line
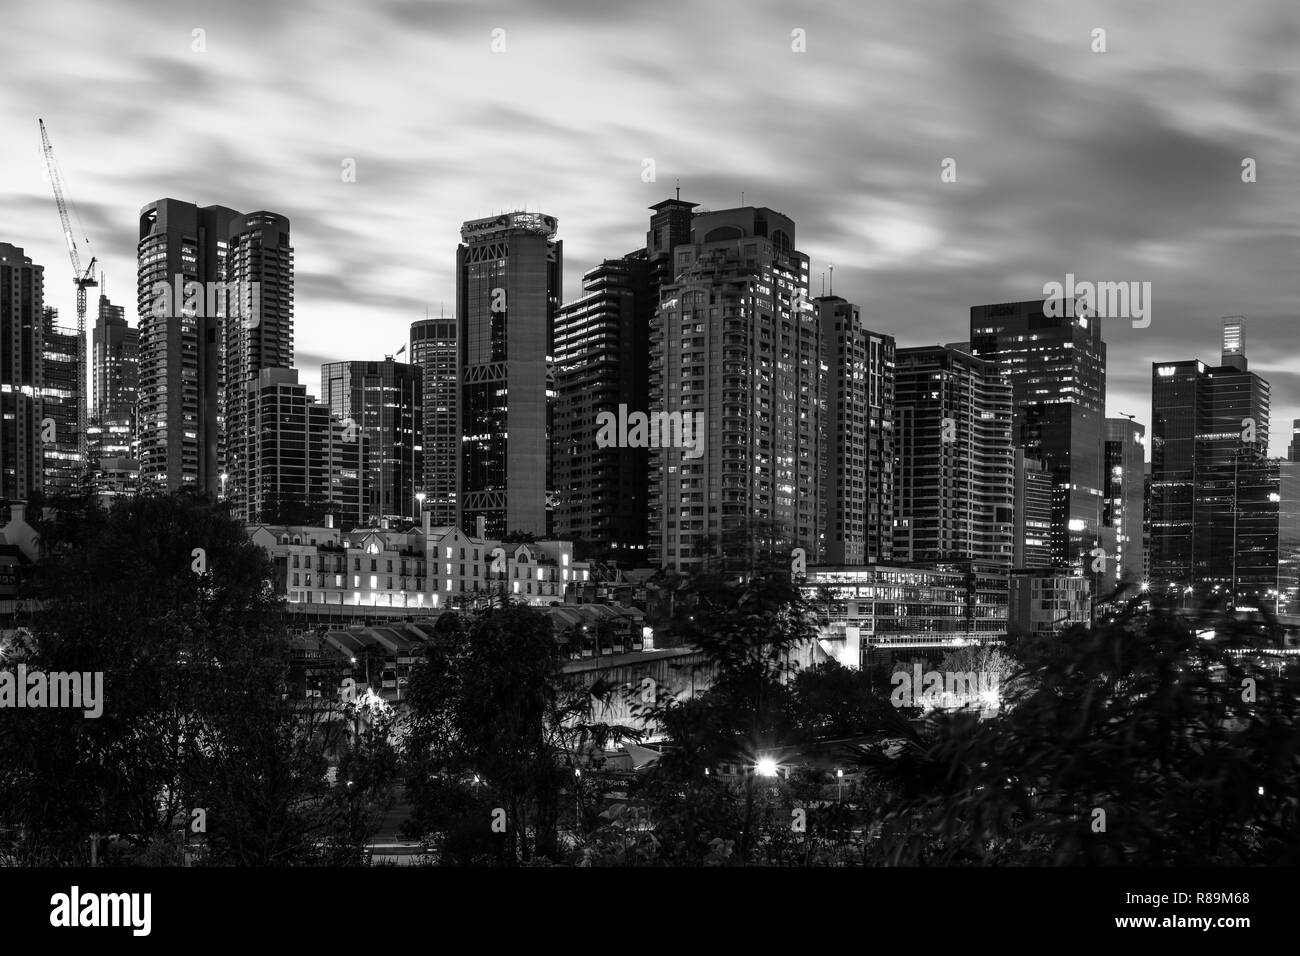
414 568
1043 603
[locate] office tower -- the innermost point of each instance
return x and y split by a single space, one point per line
21 360
1057 369
60 393
115 363
1124 510
181 349
1210 433
433 350
601 364
858 434
257 332
954 471
601 346
382 402
1293 451
303 462
1032 531
508 290
734 350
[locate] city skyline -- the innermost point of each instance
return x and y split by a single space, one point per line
1142 185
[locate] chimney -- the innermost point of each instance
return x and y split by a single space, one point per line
427 523
383 524
480 527
329 520
17 512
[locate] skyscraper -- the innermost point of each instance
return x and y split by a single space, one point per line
1125 500
115 363
181 349
302 461
954 472
60 390
1210 433
21 316
734 346
601 362
257 335
433 350
858 433
1293 450
1032 534
382 402
508 290
1057 369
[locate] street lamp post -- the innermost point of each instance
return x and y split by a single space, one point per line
223 485
419 505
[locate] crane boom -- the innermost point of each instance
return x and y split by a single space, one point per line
83 279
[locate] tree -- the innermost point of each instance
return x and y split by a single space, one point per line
169 601
1138 741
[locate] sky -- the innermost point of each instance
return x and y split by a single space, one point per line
1123 165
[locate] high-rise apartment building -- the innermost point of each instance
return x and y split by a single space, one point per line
734 354
1057 368
257 334
382 401
22 289
1123 515
181 348
433 351
858 436
61 390
954 472
1209 450
508 290
1293 450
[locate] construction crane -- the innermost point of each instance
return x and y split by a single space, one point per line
83 279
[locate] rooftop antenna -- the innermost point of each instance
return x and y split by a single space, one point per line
742 197
832 268
679 189
823 282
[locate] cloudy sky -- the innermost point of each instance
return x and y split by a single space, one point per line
1122 165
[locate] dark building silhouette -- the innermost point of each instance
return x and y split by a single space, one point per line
115 363
1032 534
508 290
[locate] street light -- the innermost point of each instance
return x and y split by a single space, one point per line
766 767
419 504
223 484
